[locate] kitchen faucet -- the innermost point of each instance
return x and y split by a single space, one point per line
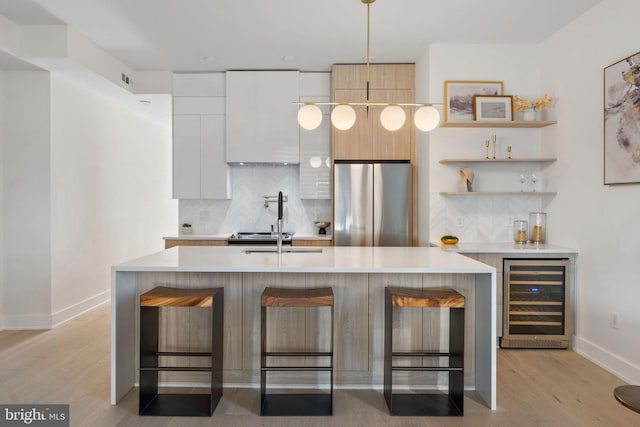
279 247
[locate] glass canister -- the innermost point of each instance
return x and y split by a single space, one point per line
520 231
537 227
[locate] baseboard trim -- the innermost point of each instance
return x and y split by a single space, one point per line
28 321
45 321
79 308
619 367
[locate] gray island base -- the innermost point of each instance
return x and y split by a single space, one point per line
358 276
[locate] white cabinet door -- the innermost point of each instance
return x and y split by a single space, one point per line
315 161
199 167
315 145
261 120
186 157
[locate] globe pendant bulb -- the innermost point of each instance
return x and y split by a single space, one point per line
426 118
309 117
343 117
392 117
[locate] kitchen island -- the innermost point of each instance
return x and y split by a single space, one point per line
358 276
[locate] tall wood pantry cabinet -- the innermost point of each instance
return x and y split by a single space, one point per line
367 139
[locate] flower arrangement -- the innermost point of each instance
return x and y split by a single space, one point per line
542 103
523 104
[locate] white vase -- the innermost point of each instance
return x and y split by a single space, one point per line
541 115
529 115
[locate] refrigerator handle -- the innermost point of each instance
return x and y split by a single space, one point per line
377 204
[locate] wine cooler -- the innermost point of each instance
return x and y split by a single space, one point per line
536 303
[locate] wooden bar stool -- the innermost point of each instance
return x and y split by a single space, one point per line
433 404
174 404
294 403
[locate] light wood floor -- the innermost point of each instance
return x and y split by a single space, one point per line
70 364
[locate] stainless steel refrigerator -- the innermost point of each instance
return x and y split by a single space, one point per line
371 204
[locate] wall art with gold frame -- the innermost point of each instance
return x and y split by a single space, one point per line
458 97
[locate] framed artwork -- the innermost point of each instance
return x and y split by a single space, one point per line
493 108
622 121
458 97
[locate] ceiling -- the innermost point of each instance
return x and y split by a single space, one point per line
178 35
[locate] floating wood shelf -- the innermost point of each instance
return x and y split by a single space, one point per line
521 160
499 193
512 124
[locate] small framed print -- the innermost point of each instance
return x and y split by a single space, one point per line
458 97
493 108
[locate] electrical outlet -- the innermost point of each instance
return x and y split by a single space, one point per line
460 221
510 221
615 320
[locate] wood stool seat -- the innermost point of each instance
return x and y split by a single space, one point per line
296 404
163 296
151 402
420 404
290 297
629 396
428 297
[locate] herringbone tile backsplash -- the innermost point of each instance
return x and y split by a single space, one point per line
485 218
246 210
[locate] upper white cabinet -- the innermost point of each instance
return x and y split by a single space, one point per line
261 123
315 145
199 167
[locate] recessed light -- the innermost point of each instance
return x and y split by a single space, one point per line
144 101
209 58
288 58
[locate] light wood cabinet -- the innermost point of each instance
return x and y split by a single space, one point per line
310 242
169 243
367 139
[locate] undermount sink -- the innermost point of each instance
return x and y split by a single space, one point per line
284 250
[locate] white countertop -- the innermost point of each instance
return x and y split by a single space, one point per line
226 236
504 247
330 260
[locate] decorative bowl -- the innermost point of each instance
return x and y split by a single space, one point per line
322 224
449 240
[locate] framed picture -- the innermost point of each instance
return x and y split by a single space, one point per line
493 108
458 98
622 121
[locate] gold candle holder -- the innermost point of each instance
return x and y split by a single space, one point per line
538 227
520 232
494 145
509 151
486 144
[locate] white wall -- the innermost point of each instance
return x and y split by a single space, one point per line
86 184
602 221
486 218
111 193
423 94
2 137
25 100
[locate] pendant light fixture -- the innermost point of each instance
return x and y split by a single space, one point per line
392 118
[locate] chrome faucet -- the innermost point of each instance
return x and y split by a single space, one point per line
279 247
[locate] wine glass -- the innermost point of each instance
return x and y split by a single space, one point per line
523 179
534 179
